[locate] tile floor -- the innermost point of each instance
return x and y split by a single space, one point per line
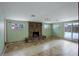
48 47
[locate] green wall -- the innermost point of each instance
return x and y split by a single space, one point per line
58 29
55 29
46 29
17 34
20 34
1 35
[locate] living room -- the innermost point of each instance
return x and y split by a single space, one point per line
39 29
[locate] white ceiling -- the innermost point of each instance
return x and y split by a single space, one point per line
43 11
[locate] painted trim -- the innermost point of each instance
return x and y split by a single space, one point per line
3 51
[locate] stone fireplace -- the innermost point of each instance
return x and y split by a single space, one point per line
35 29
35 32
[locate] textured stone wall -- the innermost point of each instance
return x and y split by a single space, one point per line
35 27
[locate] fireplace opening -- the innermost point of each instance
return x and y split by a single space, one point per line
35 34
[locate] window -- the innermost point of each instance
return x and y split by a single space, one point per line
71 30
68 30
75 30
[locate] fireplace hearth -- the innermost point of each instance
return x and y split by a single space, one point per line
35 34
